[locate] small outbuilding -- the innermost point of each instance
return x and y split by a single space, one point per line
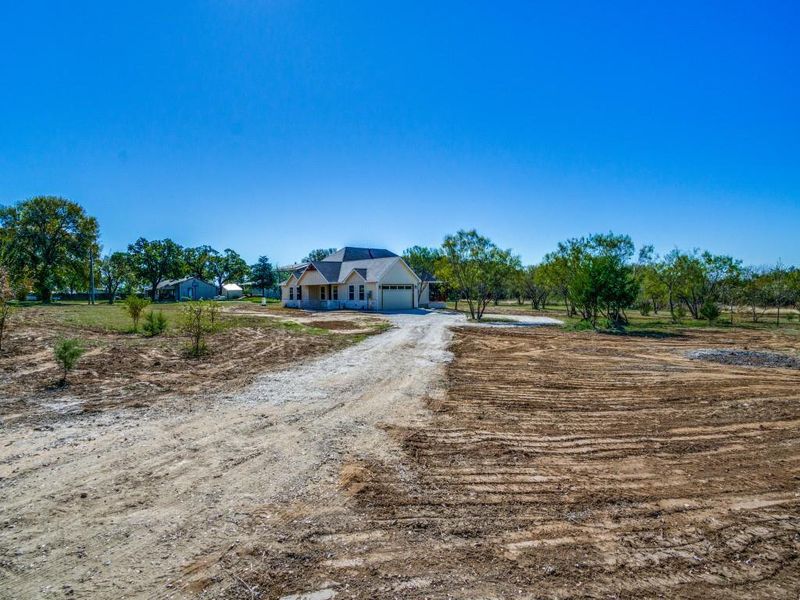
231 291
188 288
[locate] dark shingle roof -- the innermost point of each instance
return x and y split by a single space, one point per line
329 270
349 253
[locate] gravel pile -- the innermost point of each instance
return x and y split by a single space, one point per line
747 358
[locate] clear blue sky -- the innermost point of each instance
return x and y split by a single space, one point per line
277 127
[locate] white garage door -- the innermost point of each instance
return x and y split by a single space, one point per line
398 297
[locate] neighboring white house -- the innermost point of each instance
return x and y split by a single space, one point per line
231 291
354 278
188 288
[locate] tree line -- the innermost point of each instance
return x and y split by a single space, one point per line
48 243
600 278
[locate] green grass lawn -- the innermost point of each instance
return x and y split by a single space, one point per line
108 318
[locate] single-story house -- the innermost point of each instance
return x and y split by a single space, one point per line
231 290
188 288
354 278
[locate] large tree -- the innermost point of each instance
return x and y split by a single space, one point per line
156 261
474 266
46 239
227 267
199 261
422 261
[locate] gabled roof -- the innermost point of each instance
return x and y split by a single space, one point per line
329 270
369 263
350 253
174 282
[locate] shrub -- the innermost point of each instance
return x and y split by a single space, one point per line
134 306
6 296
213 309
155 323
710 311
67 353
644 308
680 312
195 321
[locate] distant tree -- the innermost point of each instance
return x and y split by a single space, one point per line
532 286
6 296
115 270
422 261
318 254
156 261
263 275
777 288
67 352
228 267
46 238
753 292
199 262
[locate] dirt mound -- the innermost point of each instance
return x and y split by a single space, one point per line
746 358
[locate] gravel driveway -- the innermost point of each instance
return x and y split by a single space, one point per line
143 503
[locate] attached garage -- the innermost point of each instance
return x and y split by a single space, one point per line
397 297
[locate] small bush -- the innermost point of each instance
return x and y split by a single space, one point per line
680 312
710 311
155 323
644 308
195 321
67 353
134 306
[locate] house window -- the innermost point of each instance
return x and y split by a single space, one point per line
291 293
335 291
361 292
299 292
352 292
322 293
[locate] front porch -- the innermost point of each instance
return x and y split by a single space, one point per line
329 297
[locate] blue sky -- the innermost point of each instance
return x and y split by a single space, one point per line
277 127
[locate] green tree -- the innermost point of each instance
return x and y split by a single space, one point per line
46 238
318 254
134 306
602 278
263 275
67 352
228 267
533 286
422 261
475 267
115 270
196 322
156 261
199 262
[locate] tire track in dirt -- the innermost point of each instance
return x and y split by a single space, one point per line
570 465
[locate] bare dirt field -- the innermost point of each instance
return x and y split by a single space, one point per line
529 463
565 465
123 369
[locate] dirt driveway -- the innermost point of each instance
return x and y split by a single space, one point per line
145 503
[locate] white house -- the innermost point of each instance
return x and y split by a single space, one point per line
354 278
